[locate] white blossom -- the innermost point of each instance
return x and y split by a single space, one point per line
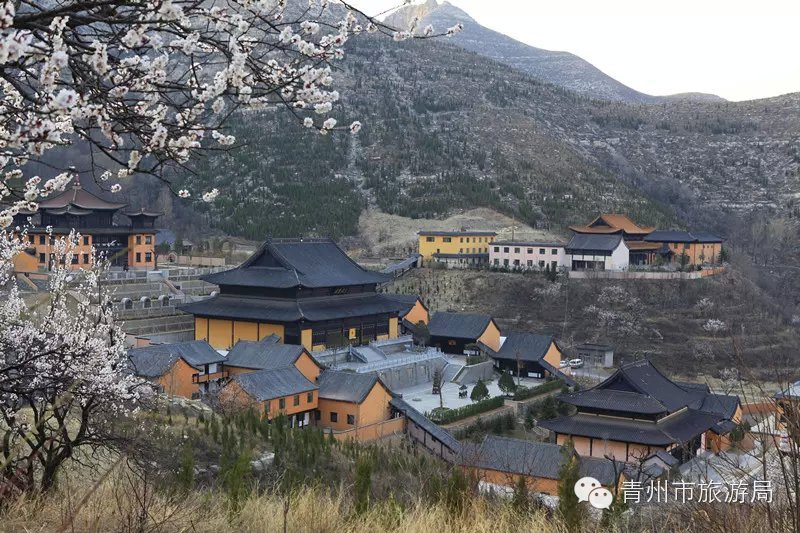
183 193
211 195
355 127
308 122
116 188
454 29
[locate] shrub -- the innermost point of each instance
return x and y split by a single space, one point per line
451 415
523 393
479 391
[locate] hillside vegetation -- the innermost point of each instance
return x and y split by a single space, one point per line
693 327
446 129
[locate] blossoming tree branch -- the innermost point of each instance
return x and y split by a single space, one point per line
147 84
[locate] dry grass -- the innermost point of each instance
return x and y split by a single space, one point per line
115 506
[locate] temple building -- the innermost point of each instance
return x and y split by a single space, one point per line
529 355
687 248
638 412
640 251
459 249
305 291
126 245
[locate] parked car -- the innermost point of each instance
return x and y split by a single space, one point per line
563 364
576 363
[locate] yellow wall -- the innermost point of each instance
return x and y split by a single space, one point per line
457 244
380 430
603 448
308 367
393 327
220 333
201 329
417 314
696 253
25 263
223 334
553 355
245 331
265 330
178 380
507 479
374 409
305 339
233 396
142 249
491 337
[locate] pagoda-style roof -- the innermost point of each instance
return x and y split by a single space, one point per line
613 223
142 213
70 210
287 263
292 310
639 388
77 196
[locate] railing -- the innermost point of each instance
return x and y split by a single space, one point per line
203 378
432 353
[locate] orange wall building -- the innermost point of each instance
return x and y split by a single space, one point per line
307 292
126 239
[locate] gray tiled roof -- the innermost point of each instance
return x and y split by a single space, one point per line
679 428
439 433
154 361
458 325
642 377
605 471
268 384
285 263
672 235
551 244
592 242
723 405
346 386
263 355
290 310
463 233
539 459
614 400
526 346
405 302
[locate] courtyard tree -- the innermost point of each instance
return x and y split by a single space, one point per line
479 391
506 384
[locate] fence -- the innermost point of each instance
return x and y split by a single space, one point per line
370 432
641 274
432 353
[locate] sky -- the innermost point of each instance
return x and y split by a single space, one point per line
737 49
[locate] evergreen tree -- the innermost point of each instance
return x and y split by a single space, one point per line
479 391
521 501
363 485
569 508
506 384
185 477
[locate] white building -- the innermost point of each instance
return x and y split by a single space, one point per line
525 255
588 251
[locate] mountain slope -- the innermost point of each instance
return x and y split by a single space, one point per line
559 68
447 130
